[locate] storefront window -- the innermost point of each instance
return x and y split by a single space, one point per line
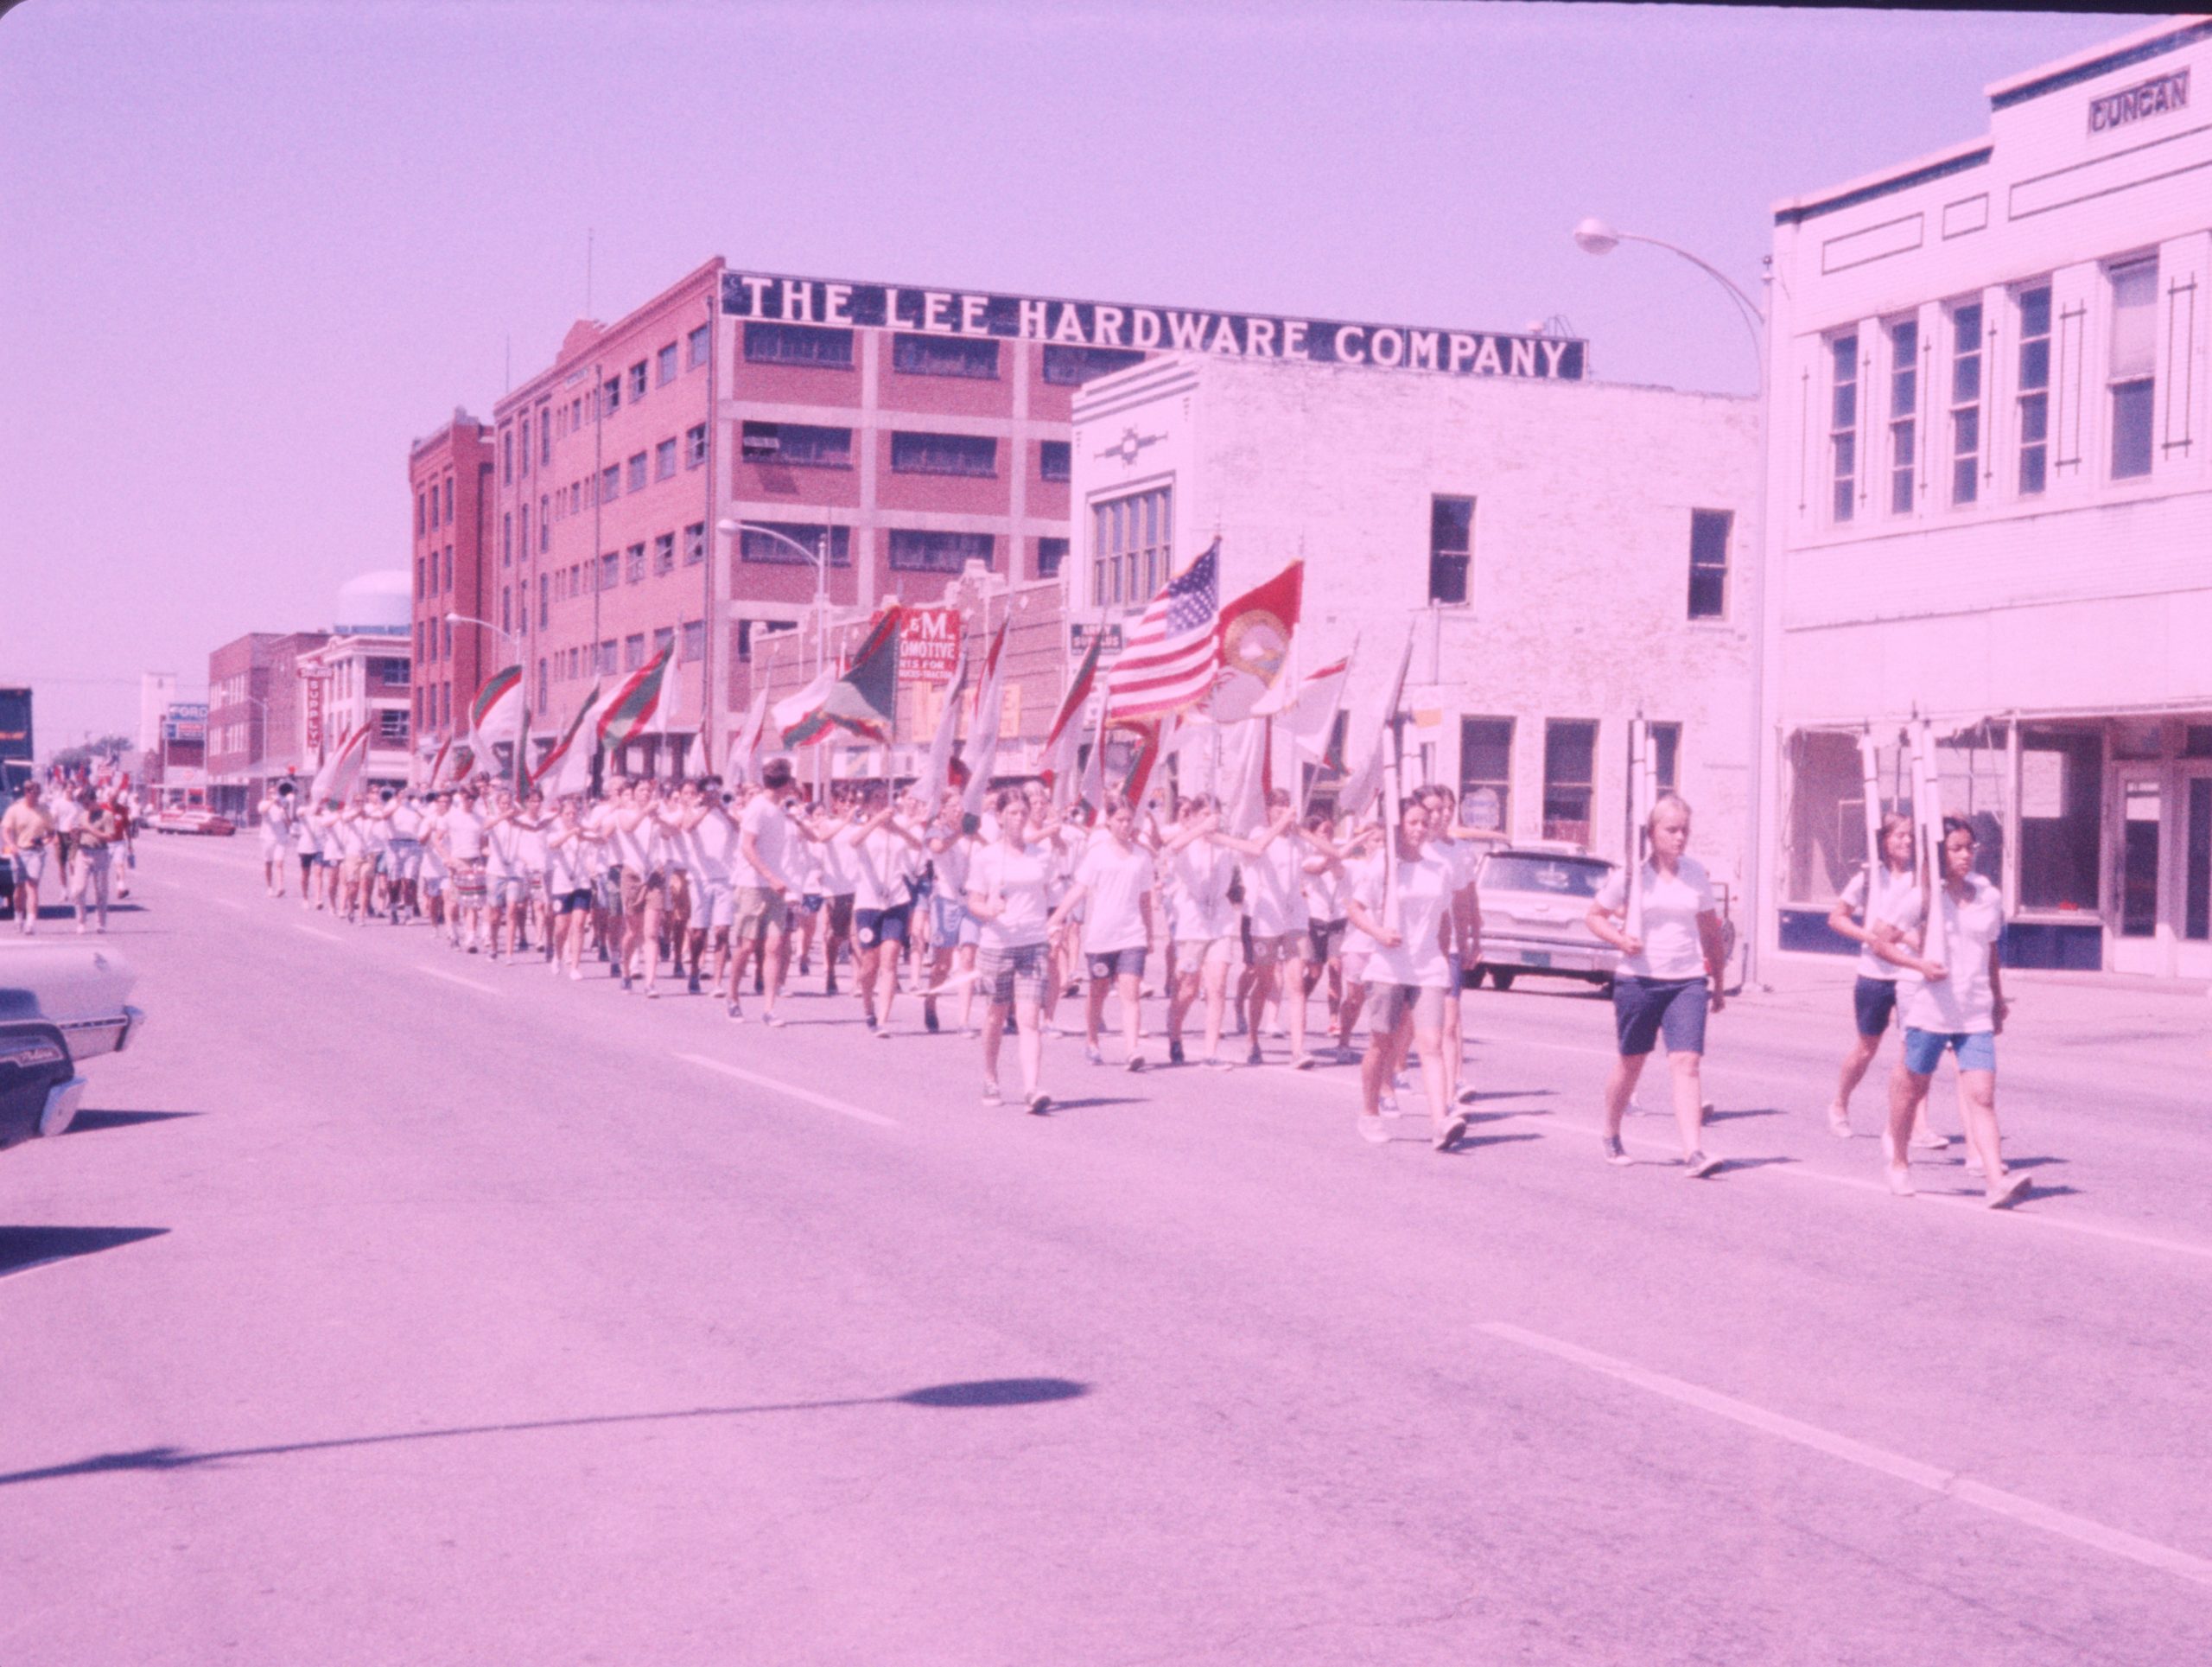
1570 773
1486 773
2062 797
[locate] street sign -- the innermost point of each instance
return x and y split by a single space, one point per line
929 645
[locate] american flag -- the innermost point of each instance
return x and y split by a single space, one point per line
1174 653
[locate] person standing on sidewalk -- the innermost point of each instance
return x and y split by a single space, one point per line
1952 998
1668 931
1874 994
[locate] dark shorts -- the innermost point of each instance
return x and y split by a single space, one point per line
1390 1006
1874 999
1322 940
572 902
880 926
1646 1009
1117 963
841 915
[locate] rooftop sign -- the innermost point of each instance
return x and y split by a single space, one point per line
1098 324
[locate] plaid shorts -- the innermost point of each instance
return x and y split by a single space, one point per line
1019 974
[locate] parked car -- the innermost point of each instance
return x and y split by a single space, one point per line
40 1089
191 821
61 1002
1535 900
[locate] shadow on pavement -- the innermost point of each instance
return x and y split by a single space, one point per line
981 1392
123 1119
1731 1165
1090 1101
1753 1111
1470 1143
1476 1095
32 1247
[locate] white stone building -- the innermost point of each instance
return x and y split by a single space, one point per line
1990 501
1564 553
365 673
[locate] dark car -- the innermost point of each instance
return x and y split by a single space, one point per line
40 1089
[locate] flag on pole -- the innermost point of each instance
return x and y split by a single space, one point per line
630 705
745 749
495 715
1305 708
1245 776
341 771
1174 653
1155 736
1365 782
938 770
1256 631
551 765
438 763
865 701
984 734
796 716
1065 740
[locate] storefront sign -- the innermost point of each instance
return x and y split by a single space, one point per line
1079 636
186 722
1156 329
2158 96
314 687
929 645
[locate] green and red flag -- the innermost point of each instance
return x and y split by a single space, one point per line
551 768
1063 742
632 702
865 699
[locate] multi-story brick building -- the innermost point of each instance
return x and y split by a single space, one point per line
257 708
449 483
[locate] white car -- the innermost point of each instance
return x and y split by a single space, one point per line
80 988
1535 902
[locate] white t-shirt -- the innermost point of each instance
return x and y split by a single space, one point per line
951 865
1324 895
1019 879
464 835
840 872
710 845
308 836
376 833
771 828
881 865
500 851
406 821
1888 893
1963 1003
1417 906
276 822
530 856
1115 884
1197 876
1360 873
1275 886
1665 918
633 846
569 863
347 830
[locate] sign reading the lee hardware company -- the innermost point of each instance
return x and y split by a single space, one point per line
1158 329
2154 97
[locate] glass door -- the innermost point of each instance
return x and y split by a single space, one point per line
2137 944
2193 956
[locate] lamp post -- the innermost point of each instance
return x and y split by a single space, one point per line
522 668
819 557
1595 237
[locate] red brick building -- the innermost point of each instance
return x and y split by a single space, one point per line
257 716
449 487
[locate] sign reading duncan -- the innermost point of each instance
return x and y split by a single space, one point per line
2154 97
1096 324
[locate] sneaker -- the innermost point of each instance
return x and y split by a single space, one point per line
575 975
928 1017
991 1095
830 984
1136 1062
1699 1165
1470 1096
625 983
1253 1058
1929 1141
1372 1132
1616 1153
1347 1054
1838 1123
1388 1102
652 992
2007 1192
1450 1136
1214 1062
882 1032
774 1021
1092 1056
1040 1104
1900 1179
691 985
735 1011
1301 1062
1174 1053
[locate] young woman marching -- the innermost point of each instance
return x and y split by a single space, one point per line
885 854
1405 906
954 932
569 876
277 826
1669 977
1953 997
1201 920
1274 890
1112 888
1007 882
1874 996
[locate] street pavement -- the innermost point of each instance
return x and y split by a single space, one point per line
391 1306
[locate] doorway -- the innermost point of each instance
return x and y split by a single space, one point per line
2142 934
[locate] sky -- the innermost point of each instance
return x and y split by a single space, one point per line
250 252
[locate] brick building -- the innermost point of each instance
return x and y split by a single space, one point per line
257 713
449 483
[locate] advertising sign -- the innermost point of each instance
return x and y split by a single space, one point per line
314 687
186 721
929 645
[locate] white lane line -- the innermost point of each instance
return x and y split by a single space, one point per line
1949 1482
316 931
455 978
843 1109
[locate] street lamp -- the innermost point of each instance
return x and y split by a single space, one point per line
522 669
1595 237
818 557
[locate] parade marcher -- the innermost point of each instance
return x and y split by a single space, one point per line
505 891
1201 921
569 859
707 835
607 874
307 836
379 885
839 886
405 856
766 846
98 830
1009 883
642 853
1113 888
352 859
278 827
463 852
1323 887
1279 925
885 854
1404 904
954 932
26 839
1874 994
433 882
1952 997
1669 979
1467 925
1363 854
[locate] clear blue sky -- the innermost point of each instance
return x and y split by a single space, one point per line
248 252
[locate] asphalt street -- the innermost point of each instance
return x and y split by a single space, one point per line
390 1306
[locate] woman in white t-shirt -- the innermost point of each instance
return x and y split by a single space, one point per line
1874 994
1196 871
1009 882
1952 996
568 859
1667 930
1404 904
1112 888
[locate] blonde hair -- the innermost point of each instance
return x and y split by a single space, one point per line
1667 801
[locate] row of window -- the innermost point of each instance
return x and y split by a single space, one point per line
812 346
1949 415
515 446
434 572
434 507
802 445
642 469
628 654
1570 773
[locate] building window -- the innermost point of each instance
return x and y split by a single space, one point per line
610 570
2131 369
506 456
1132 547
1709 533
446 651
2061 797
767 343
1066 367
449 516
391 725
506 608
449 567
419 590
545 600
694 543
1052 460
507 539
940 355
945 454
610 483
695 446
633 651
1966 401
693 646
421 520
1051 552
755 543
525 446
2035 388
665 364
610 396
544 436
607 658
1486 774
637 381
636 482
1450 546
1905 412
634 568
664 461
916 551
795 443
697 345
1667 745
664 553
524 513
1570 755
1843 426
545 687
544 524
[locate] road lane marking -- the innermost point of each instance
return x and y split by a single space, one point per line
316 931
1949 1482
843 1107
455 978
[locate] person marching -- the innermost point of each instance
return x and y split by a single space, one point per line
954 932
1669 977
1953 997
26 838
98 830
278 823
884 854
1459 851
1874 995
569 875
1201 920
1112 888
761 873
406 824
1274 893
1405 906
1009 881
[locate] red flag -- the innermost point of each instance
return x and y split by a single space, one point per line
1255 634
